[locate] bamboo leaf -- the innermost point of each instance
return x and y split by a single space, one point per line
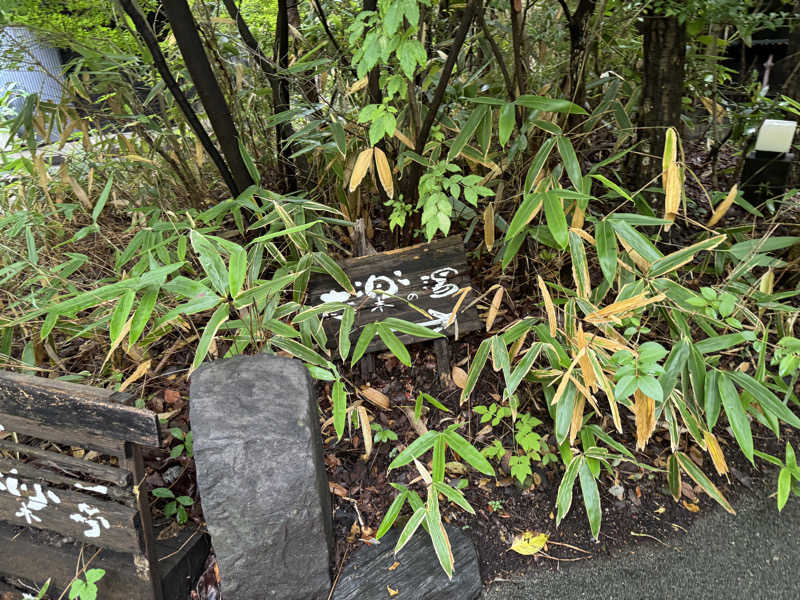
360 169
384 172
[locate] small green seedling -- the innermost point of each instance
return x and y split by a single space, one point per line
186 446
86 590
176 506
716 306
381 434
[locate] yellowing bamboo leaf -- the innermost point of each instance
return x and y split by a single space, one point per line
714 449
384 172
423 472
672 193
79 192
529 543
577 217
462 295
137 374
767 282
548 306
374 396
408 142
494 307
714 109
586 364
637 258
615 311
488 226
577 420
392 592
358 85
723 207
360 169
459 377
644 409
565 378
366 431
670 152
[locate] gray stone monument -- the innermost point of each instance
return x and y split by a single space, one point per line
261 477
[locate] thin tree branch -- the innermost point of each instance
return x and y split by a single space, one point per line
566 9
148 36
498 57
471 11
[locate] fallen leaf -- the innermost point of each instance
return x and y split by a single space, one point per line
392 592
529 543
171 396
690 507
660 510
395 564
337 489
137 374
355 532
459 377
377 397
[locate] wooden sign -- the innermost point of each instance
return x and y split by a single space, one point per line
97 503
427 284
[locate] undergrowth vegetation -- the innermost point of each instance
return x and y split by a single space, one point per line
655 295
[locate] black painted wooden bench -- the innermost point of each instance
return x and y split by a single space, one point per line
57 508
424 284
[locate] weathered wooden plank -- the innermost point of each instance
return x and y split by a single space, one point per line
81 409
86 518
58 435
30 471
99 471
429 276
24 558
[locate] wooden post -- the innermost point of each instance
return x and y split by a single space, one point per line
131 459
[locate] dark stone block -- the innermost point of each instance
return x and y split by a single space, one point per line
261 477
765 175
418 576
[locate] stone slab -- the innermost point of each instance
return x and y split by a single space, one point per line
418 576
261 478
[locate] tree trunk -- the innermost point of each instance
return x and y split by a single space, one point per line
191 46
282 100
373 77
578 23
790 65
148 35
664 50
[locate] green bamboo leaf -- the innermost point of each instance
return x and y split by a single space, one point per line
248 162
591 498
393 343
441 544
48 325
391 515
564 496
334 270
300 351
101 201
237 270
339 136
556 219
467 131
339 398
712 401
369 331
506 123
410 328
784 487
571 164
411 527
526 211
687 464
218 318
345 327
550 104
211 261
415 449
453 495
606 250
679 258
674 476
468 452
437 471
537 164
768 401
120 314
475 369
142 314
636 240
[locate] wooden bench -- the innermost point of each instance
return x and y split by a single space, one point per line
48 491
432 277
